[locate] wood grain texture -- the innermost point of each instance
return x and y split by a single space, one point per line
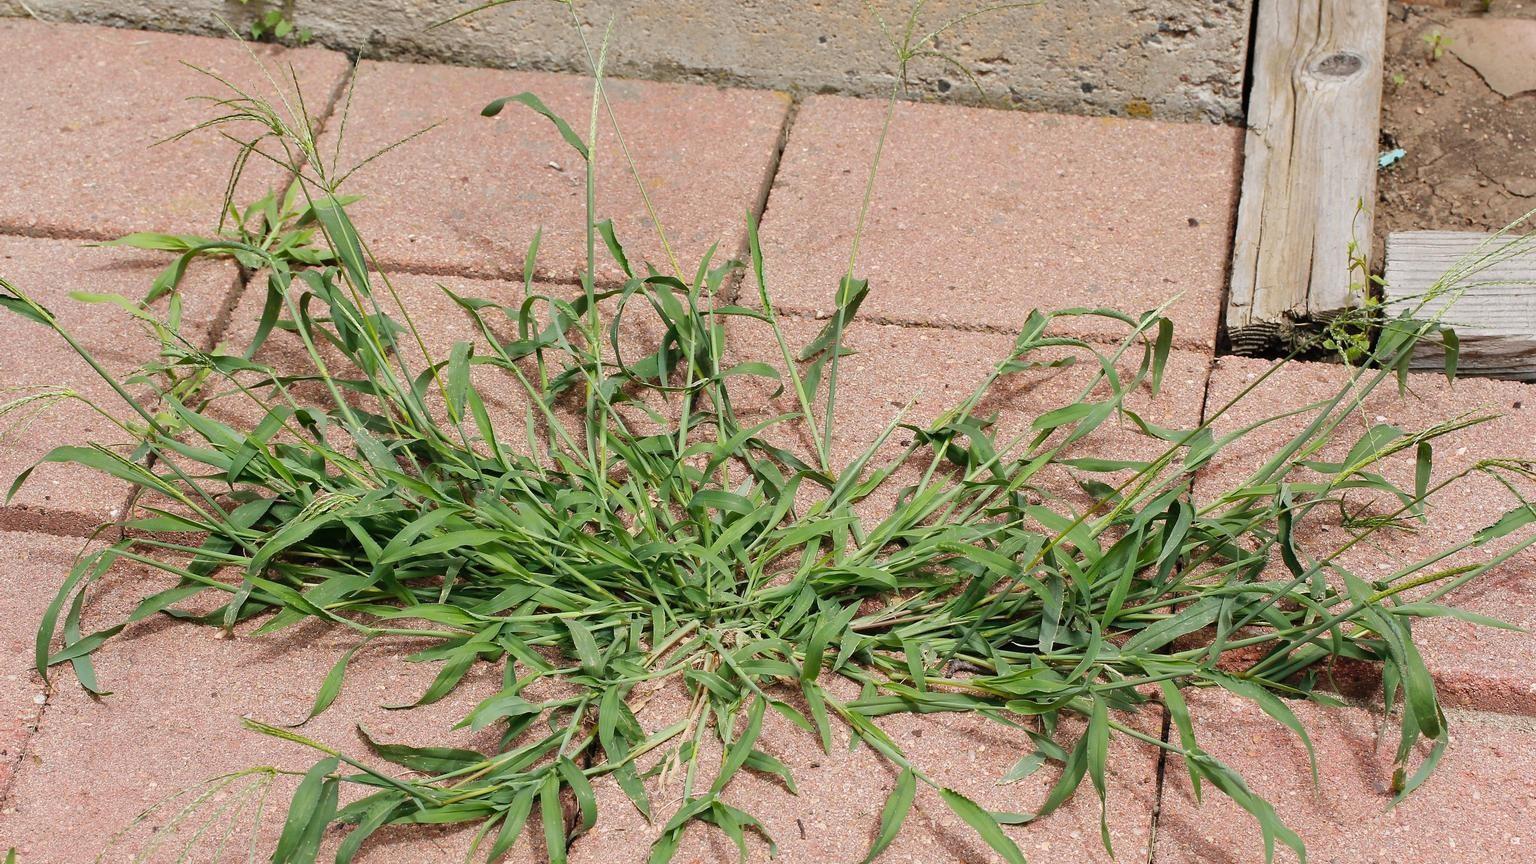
1309 163
1485 286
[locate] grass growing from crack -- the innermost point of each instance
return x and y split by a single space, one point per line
635 527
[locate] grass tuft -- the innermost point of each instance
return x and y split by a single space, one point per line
633 525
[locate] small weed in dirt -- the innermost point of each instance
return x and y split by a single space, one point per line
1437 43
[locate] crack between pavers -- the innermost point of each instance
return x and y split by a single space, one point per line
244 277
759 207
65 523
19 764
1158 787
784 312
1223 339
764 194
1160 784
35 232
802 314
569 807
25 519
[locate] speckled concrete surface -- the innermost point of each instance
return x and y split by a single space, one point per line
467 196
1163 58
836 812
83 108
980 216
1476 666
174 720
1479 806
33 358
422 305
935 370
30 569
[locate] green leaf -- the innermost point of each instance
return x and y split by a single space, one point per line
1274 706
1431 610
1423 463
1452 345
586 647
156 241
533 102
458 378
372 819
1178 711
1097 738
330 688
306 808
502 706
894 814
453 541
553 817
984 824
741 749
332 215
1197 615
615 248
586 799
1509 523
516 816
432 760
1233 786
25 307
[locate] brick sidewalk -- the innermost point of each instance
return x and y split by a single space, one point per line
978 217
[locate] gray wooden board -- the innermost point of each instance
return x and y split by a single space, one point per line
1486 288
1309 162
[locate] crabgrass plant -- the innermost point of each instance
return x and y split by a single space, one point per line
636 529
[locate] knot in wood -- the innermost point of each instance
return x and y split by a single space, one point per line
1339 64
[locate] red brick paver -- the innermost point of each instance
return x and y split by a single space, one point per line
421 304
936 369
31 566
432 316
174 720
82 107
1476 666
35 361
1479 806
980 216
836 813
467 196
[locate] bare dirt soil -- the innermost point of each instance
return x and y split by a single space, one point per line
1469 158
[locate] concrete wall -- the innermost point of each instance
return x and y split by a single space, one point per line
1176 59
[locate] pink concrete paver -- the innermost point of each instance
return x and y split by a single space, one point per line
836 813
30 568
935 369
173 720
1475 666
979 216
1480 805
34 361
467 196
83 106
439 322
